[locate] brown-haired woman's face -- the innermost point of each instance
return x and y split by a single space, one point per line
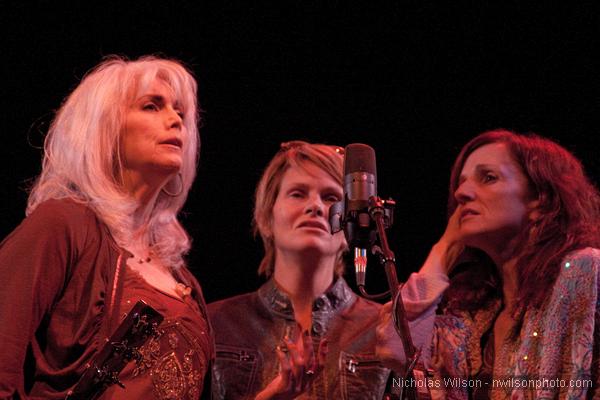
494 200
300 218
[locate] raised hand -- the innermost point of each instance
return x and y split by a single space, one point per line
298 367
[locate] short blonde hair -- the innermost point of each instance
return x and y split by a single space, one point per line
82 151
292 154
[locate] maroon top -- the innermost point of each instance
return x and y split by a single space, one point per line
61 272
174 363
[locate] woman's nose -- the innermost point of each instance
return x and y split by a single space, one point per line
173 119
464 192
315 206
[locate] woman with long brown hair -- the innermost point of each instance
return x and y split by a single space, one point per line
521 315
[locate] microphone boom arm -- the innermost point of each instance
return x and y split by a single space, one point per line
377 208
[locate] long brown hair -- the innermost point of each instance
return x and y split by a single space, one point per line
568 215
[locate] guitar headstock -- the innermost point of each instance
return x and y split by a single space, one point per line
139 325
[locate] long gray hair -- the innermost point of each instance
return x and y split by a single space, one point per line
82 157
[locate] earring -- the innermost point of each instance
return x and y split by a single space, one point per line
171 194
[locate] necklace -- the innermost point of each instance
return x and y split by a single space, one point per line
182 290
142 260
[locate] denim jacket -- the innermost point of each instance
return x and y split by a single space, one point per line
248 328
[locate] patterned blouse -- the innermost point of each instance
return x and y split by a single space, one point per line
173 363
555 356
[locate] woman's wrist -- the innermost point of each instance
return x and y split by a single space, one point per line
265 395
436 260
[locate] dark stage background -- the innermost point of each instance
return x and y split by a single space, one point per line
414 80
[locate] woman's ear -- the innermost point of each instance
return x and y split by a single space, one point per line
264 227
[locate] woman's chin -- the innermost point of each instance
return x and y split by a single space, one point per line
168 168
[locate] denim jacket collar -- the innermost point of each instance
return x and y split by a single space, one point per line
337 297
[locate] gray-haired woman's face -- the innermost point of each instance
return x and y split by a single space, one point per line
153 137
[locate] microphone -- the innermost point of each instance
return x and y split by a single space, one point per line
363 216
352 213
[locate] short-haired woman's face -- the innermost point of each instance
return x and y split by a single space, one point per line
300 218
152 139
494 200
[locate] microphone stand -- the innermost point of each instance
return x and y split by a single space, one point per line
387 258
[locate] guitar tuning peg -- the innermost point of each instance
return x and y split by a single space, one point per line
114 377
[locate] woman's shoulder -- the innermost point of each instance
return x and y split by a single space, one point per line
58 218
231 304
63 211
228 315
578 280
580 262
63 218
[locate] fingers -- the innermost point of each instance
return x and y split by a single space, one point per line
322 357
299 366
297 361
452 242
311 363
453 220
452 232
285 369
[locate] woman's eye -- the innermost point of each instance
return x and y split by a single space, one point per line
487 178
332 198
296 194
150 106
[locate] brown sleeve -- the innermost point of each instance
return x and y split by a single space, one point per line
35 263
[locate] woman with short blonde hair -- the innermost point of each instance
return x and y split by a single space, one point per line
304 332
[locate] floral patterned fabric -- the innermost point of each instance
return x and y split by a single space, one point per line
556 355
172 363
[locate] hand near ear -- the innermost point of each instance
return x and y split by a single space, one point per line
444 253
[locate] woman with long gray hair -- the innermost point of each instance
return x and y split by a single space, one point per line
102 233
